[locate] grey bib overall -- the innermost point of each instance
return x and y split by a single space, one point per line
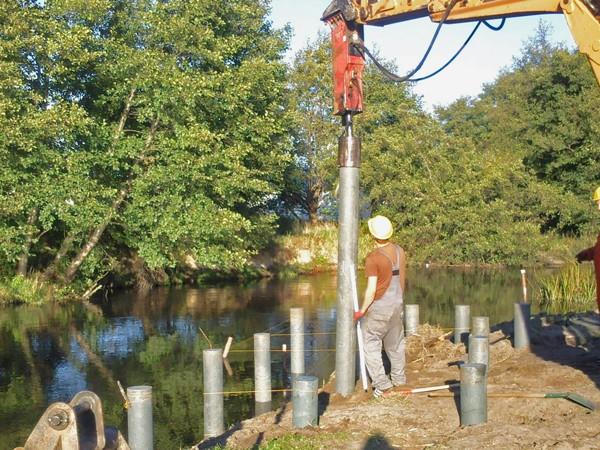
383 324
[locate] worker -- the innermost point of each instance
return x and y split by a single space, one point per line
593 254
382 308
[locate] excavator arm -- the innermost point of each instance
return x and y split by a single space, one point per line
347 18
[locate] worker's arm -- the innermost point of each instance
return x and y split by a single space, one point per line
369 294
585 255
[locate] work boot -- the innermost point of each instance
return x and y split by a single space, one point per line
381 393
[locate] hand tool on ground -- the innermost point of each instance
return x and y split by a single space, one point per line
575 398
359 335
426 389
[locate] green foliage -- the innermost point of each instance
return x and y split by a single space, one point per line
314 131
157 348
139 128
573 289
20 289
487 180
540 113
449 201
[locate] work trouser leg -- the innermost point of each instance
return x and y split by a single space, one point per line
394 345
375 327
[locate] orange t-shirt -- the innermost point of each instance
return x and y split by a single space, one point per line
377 264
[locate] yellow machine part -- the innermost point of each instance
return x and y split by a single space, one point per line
583 16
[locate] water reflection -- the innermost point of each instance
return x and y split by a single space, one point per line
48 354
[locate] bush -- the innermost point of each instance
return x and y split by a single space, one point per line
322 241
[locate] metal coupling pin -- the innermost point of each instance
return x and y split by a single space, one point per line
58 419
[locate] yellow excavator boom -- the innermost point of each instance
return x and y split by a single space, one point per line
583 16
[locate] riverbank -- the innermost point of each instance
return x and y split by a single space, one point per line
557 362
310 248
303 249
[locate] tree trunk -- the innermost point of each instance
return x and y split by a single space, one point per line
24 258
123 119
37 392
50 271
313 216
313 196
96 233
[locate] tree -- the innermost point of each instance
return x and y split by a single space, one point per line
542 110
450 201
315 129
159 127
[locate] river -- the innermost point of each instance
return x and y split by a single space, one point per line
49 353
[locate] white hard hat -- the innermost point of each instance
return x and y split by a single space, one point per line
380 227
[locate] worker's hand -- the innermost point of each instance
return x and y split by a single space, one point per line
579 257
358 315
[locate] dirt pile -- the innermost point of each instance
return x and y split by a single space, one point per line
418 421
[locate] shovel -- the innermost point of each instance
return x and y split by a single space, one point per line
575 398
427 389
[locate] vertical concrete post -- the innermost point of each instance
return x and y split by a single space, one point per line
348 212
139 418
297 340
262 408
262 367
305 401
411 319
481 326
521 325
479 351
212 368
473 394
462 315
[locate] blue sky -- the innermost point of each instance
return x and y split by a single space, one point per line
406 42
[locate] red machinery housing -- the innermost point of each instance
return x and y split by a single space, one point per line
348 66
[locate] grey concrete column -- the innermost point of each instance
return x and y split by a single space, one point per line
139 418
481 326
473 395
305 401
411 319
212 368
479 350
345 374
262 408
297 340
262 367
462 314
521 325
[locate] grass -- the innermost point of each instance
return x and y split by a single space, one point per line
304 442
299 441
573 289
24 290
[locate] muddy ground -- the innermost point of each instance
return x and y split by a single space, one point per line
555 364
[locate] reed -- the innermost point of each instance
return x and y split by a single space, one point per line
573 289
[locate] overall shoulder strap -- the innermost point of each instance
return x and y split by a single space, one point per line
395 266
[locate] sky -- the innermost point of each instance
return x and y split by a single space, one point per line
404 43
